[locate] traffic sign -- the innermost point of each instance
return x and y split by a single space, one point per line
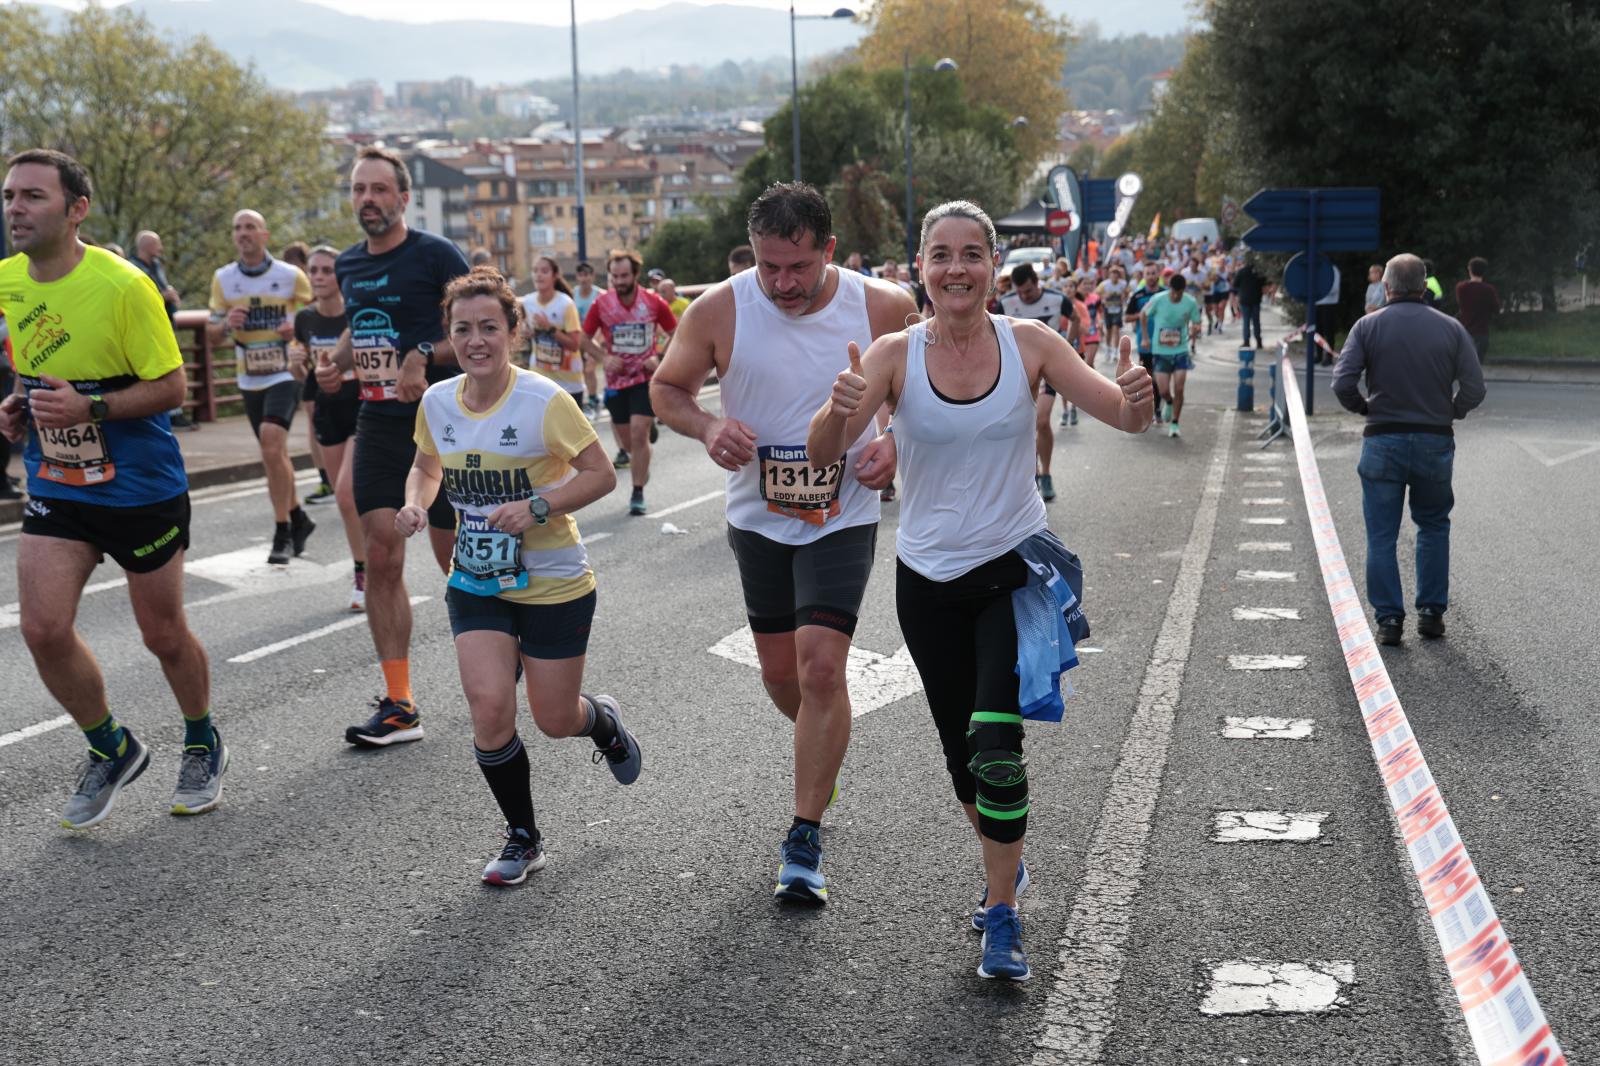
1059 223
1345 220
1294 277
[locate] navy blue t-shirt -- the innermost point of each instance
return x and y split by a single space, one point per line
392 301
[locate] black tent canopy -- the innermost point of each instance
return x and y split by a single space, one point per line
1026 219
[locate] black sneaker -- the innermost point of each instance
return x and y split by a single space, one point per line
281 542
1390 631
394 722
655 432
1430 624
622 461
636 503
300 532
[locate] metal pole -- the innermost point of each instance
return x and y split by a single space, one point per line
1313 294
794 90
577 136
911 246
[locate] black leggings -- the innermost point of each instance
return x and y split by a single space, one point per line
963 637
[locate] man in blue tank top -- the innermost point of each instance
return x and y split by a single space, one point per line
803 536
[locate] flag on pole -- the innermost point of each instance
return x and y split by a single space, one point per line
1155 227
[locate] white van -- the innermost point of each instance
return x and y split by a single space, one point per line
1196 229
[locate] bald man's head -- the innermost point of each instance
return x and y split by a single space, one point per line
250 236
147 245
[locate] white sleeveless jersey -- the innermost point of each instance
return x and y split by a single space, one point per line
969 494
781 370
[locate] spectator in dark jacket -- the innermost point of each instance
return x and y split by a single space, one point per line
1422 374
1248 284
1476 303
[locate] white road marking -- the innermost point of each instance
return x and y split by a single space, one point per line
1266 614
1265 575
1267 458
1081 1008
1265 521
1278 827
874 680
594 538
1274 484
1565 450
1264 501
1266 662
1257 986
35 730
686 504
282 645
1263 727
1265 546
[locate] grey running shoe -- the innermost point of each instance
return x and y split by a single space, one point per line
99 781
200 777
522 855
623 754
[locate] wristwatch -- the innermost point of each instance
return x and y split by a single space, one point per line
427 353
99 410
539 507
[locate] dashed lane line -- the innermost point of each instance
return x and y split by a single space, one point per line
284 645
1081 1008
34 730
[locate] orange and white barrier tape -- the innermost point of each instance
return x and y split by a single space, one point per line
1503 1015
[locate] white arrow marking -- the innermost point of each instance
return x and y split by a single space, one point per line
1578 449
874 680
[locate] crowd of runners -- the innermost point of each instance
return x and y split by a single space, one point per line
441 402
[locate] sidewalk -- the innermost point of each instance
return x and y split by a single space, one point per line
214 454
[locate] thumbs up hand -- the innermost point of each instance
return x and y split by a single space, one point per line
1134 381
850 386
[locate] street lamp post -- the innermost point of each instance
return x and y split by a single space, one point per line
794 73
943 66
577 137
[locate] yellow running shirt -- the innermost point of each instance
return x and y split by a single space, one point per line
103 327
520 448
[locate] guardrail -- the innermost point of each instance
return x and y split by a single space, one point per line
207 390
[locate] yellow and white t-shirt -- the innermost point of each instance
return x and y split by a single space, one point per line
521 447
549 358
270 296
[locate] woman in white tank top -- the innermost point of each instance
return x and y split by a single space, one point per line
962 386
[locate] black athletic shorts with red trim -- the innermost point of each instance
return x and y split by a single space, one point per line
787 586
141 539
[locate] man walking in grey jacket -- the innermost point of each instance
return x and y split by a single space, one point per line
1422 373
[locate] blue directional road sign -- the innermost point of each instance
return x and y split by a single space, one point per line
1344 220
1294 277
1099 199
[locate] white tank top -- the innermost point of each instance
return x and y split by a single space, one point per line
781 370
969 494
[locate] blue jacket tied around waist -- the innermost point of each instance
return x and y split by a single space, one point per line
1049 616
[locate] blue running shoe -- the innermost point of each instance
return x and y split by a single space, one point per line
1002 946
522 855
800 877
623 754
393 722
200 777
982 908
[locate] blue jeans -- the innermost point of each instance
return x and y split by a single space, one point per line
1391 464
1250 313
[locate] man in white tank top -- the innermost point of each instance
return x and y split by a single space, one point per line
776 336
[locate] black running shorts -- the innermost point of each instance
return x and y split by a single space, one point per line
141 539
274 405
629 403
543 630
334 414
384 450
787 586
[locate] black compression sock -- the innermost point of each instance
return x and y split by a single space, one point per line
282 528
324 474
599 728
506 770
298 516
799 821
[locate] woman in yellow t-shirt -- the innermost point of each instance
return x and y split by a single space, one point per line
516 458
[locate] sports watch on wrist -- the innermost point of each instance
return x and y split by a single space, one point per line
99 410
427 353
539 507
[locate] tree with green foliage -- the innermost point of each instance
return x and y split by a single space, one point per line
1476 120
176 136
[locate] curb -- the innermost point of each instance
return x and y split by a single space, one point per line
205 477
